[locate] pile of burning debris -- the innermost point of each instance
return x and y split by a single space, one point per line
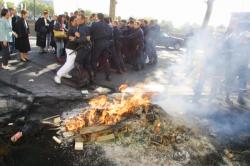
127 117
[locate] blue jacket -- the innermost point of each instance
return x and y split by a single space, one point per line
5 30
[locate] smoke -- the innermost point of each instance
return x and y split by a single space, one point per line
208 82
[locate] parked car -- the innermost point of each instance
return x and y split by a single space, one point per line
170 41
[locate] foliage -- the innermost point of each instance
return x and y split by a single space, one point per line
39 7
10 5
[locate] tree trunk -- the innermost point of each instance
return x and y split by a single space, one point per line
112 9
208 13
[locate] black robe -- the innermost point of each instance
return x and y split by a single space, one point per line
22 41
41 31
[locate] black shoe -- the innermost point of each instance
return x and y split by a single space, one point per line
241 101
27 60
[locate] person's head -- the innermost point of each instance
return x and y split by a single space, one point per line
61 19
46 14
106 19
123 23
100 16
71 14
66 13
5 13
55 17
93 17
115 23
144 23
81 12
73 21
80 19
12 11
24 14
137 25
131 24
76 13
152 22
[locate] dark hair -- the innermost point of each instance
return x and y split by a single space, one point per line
60 17
71 19
76 12
4 12
11 9
92 15
23 12
131 22
124 21
107 20
100 16
82 16
145 21
82 11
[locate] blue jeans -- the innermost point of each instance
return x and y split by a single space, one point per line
59 48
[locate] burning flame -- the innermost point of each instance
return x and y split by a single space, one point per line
103 110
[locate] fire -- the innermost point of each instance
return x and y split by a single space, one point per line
122 87
105 111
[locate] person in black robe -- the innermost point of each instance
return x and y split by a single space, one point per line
101 34
51 28
22 40
14 19
137 39
118 45
42 29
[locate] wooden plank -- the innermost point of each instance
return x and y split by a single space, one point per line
51 117
105 138
78 145
94 129
57 120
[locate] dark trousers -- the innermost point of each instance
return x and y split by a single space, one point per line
101 54
5 53
150 50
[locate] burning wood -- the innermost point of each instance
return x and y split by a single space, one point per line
121 117
103 111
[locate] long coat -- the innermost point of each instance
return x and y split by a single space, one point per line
41 31
22 41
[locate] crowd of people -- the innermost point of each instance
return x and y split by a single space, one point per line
88 44
96 43
14 35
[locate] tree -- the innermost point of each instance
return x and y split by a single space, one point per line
39 6
88 13
1 4
208 13
10 5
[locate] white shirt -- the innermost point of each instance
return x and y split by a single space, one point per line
46 23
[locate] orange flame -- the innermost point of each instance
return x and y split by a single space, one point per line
122 87
103 110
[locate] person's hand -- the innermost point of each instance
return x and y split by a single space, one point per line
15 34
5 44
77 34
88 38
71 38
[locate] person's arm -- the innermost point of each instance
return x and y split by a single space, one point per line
18 30
4 34
81 37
